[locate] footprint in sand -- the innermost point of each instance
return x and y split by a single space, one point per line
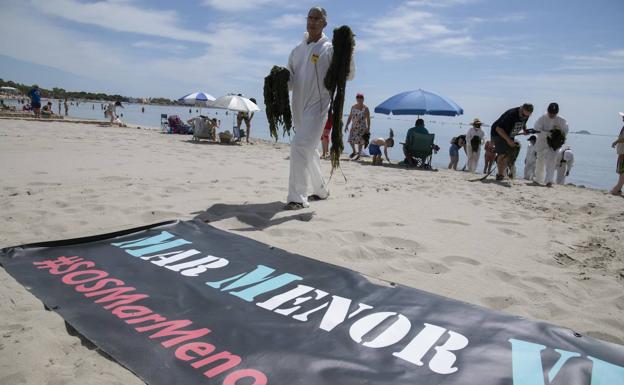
502 222
511 233
387 224
457 259
499 303
429 267
451 222
400 243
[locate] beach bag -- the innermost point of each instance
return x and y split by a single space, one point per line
475 143
556 139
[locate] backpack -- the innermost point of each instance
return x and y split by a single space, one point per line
556 139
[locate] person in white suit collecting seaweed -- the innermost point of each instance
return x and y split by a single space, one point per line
308 64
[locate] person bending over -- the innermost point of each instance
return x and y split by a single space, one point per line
374 148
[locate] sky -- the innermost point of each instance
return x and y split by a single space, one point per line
486 55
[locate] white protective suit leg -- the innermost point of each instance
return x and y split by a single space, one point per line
540 166
529 170
473 160
550 164
561 174
305 165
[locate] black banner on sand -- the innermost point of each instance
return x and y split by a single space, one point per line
185 303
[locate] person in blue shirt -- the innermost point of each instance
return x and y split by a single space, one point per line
35 100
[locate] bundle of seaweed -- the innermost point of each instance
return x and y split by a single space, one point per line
512 155
475 143
556 139
277 101
335 82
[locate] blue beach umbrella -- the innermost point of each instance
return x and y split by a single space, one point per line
419 102
199 99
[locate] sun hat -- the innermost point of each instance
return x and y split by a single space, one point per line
476 121
359 95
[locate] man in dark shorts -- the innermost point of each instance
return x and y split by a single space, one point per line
510 124
35 100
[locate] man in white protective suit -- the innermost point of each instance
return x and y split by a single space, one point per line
564 162
308 64
545 164
530 159
473 146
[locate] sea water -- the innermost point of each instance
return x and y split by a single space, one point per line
594 159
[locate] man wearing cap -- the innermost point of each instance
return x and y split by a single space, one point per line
546 154
531 158
474 139
308 64
508 125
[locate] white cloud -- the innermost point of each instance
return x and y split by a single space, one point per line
122 16
160 46
410 29
235 58
289 20
438 3
611 60
247 5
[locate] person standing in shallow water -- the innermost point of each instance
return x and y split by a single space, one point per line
308 64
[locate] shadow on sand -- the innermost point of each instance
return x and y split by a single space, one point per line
258 216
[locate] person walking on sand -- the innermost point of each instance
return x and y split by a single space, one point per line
308 64
66 107
474 140
35 100
619 166
547 145
504 129
565 161
59 107
530 159
359 117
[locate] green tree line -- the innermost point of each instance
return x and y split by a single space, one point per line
60 93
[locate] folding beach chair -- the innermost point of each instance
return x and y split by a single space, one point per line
204 128
421 149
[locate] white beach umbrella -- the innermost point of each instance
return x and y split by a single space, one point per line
234 103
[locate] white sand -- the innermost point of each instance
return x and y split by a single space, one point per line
550 254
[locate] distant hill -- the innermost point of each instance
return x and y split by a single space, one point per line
582 132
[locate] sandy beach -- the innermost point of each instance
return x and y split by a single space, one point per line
549 254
